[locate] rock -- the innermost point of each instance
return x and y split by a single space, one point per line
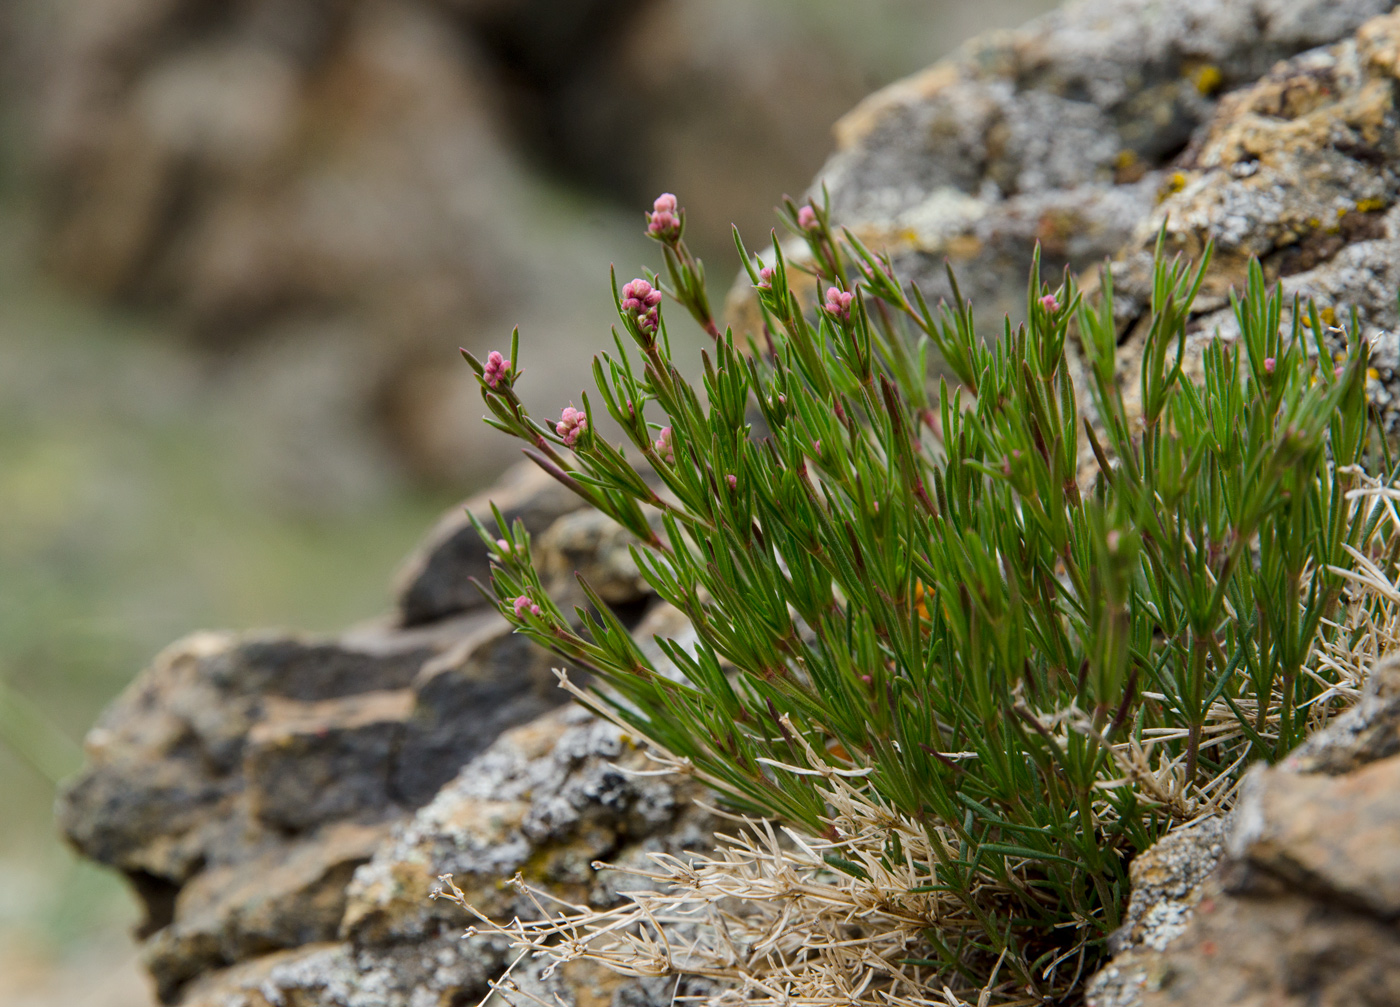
591 545
492 680
309 763
1167 880
1336 837
1282 951
230 752
546 799
1060 132
1292 900
282 894
1299 170
436 581
1368 731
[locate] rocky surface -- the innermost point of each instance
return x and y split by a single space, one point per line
1293 900
1064 132
282 805
1300 171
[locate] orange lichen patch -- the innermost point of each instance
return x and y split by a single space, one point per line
964 246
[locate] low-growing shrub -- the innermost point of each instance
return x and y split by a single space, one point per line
980 640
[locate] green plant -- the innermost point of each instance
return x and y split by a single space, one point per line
1044 664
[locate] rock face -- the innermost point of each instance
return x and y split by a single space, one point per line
283 804
1300 171
1293 900
1062 132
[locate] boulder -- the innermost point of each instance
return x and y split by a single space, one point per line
1300 171
240 779
1063 132
436 581
1290 901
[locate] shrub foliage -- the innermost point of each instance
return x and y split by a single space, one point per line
1046 622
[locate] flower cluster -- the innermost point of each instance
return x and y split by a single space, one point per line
642 301
572 423
664 447
524 604
664 220
838 303
497 370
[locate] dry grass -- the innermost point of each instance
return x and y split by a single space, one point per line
769 916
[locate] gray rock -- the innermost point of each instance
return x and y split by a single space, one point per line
240 780
1060 132
1289 902
436 580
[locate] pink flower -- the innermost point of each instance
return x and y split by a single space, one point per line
765 278
664 447
838 303
497 367
1049 303
664 222
572 422
523 604
732 480
643 302
807 218
1269 365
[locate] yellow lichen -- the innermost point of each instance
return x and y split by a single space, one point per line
1208 79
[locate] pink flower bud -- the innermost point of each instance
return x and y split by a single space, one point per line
1337 371
1049 303
1113 540
732 480
664 222
807 218
642 301
765 278
497 367
838 303
664 447
502 545
572 422
523 604
1269 365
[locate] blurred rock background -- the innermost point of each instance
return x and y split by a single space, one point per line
240 242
